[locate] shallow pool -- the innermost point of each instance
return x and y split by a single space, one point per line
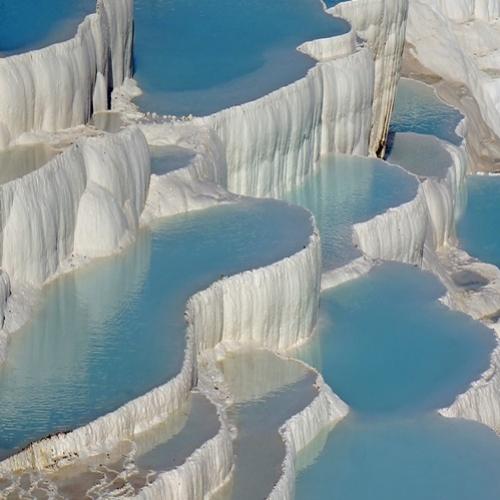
346 190
196 57
418 109
31 24
420 154
478 229
267 391
394 355
429 458
388 346
112 331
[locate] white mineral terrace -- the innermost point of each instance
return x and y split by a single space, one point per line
94 179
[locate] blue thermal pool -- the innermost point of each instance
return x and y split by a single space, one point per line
429 458
267 391
395 354
346 190
478 229
31 24
115 329
418 109
420 154
386 345
196 57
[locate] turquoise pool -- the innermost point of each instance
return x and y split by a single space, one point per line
112 331
32 24
418 109
196 57
395 355
346 190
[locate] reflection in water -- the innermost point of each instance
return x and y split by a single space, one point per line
422 155
115 329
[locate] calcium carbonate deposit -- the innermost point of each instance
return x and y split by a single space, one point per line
243 250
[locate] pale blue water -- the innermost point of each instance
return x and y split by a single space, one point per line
268 391
201 425
429 458
421 154
478 229
387 345
346 190
418 109
200 57
32 24
114 330
394 354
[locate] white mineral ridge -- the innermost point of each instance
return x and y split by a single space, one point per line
85 202
271 144
424 224
199 185
59 86
382 23
258 306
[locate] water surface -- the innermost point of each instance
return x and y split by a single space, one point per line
418 109
346 190
388 346
19 161
478 229
115 329
32 24
429 458
195 57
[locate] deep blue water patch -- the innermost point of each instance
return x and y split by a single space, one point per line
195 57
346 190
114 330
32 24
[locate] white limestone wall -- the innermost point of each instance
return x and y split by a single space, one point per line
426 223
85 202
271 144
324 412
59 86
382 24
468 10
459 42
204 472
281 315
